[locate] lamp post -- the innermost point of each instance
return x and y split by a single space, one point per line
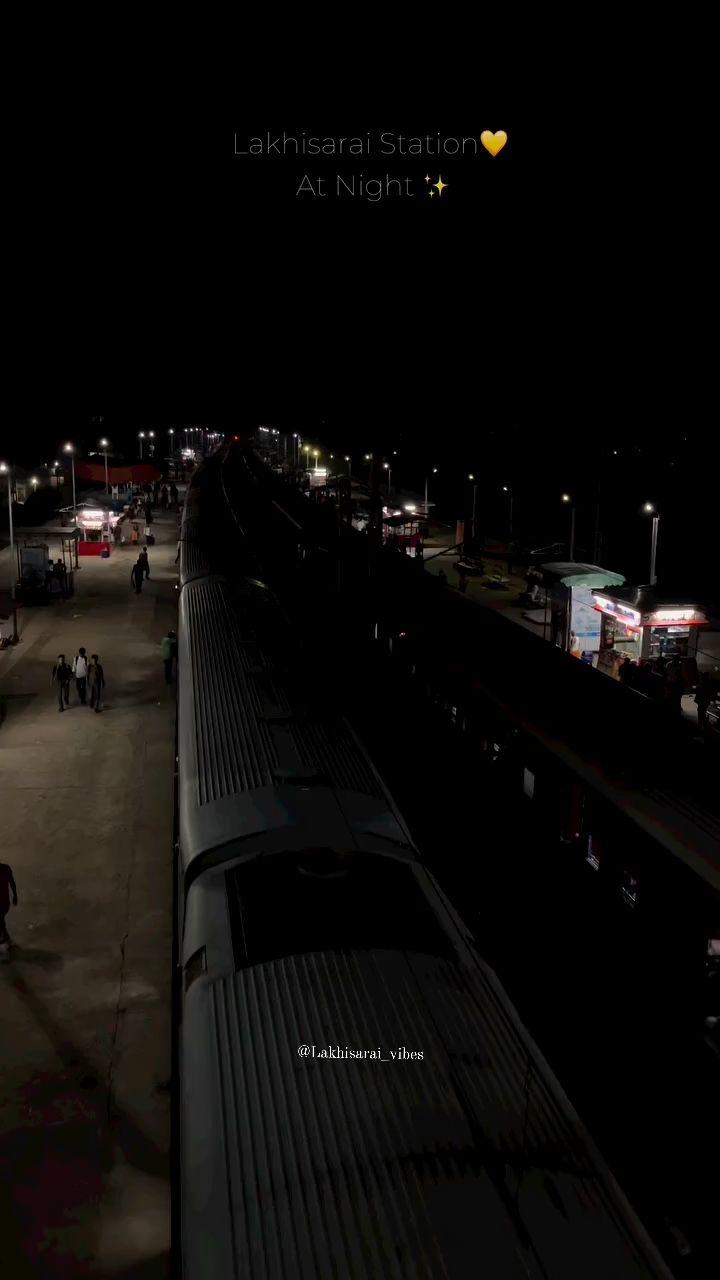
649 509
388 468
171 434
508 491
104 446
70 448
316 455
349 465
565 497
151 436
474 506
5 470
141 437
306 451
434 471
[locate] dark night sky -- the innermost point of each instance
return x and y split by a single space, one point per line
538 316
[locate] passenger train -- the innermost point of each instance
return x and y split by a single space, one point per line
358 1097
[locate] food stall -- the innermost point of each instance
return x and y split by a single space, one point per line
639 624
570 610
96 525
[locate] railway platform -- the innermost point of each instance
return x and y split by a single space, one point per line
86 823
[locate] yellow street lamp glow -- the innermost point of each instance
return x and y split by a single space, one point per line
141 435
368 457
4 467
565 497
648 506
68 448
471 476
316 453
347 457
34 480
386 465
434 471
103 443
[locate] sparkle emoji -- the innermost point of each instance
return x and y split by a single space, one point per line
438 186
493 142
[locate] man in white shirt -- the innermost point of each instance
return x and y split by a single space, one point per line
80 670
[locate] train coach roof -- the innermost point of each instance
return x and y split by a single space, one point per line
469 1161
252 758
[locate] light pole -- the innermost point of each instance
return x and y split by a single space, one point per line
141 437
171 434
565 497
349 465
508 491
5 470
295 448
434 471
316 455
388 468
649 509
151 435
70 448
104 446
474 506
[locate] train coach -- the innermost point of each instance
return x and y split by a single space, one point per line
357 1095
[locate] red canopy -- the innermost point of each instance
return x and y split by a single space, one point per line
139 473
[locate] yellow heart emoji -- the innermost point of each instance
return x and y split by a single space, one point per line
493 142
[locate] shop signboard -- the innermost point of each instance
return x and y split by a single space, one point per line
623 612
682 616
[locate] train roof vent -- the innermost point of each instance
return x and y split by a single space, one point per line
302 777
328 900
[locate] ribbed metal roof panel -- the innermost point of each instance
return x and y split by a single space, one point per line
466 1163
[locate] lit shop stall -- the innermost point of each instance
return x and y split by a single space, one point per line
636 624
96 525
403 529
570 607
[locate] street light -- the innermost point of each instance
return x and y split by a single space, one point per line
5 470
566 497
34 482
151 435
141 437
70 448
388 468
649 509
104 446
171 434
434 471
349 464
508 491
316 455
474 506
306 449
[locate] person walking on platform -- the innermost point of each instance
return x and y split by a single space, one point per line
137 574
143 560
168 648
96 682
80 669
134 536
174 494
148 513
7 887
61 674
164 498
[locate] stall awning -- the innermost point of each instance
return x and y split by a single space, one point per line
581 575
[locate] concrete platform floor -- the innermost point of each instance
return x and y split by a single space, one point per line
86 814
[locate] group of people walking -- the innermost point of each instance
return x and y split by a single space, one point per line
88 674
